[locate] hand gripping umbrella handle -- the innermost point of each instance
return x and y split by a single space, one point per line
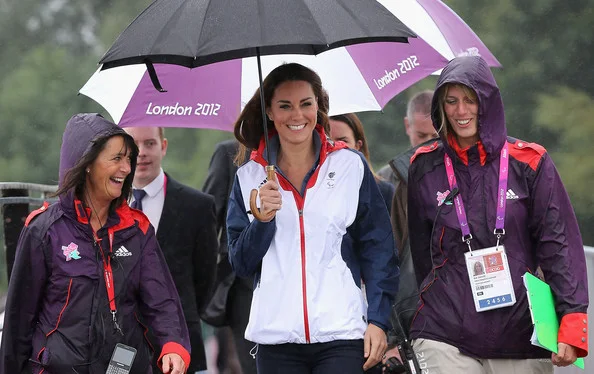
270 174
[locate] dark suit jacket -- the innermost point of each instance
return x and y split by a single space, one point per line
188 238
218 183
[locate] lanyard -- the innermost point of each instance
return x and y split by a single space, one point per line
108 275
501 197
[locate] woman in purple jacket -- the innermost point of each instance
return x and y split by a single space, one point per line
485 197
88 270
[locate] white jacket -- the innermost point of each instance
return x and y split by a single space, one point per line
309 260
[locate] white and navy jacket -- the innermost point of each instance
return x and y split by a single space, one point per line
310 259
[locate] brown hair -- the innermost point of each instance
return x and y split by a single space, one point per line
354 123
444 124
75 178
248 127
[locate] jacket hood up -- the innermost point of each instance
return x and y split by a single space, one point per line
82 131
473 71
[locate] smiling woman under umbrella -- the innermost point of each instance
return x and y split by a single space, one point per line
88 270
330 230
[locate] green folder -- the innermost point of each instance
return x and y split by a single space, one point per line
544 317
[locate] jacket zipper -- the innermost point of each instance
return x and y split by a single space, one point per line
303 272
299 200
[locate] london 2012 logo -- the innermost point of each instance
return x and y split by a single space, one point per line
403 67
201 109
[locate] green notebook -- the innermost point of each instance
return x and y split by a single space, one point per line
544 317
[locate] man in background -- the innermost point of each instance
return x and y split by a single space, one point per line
420 131
219 181
185 223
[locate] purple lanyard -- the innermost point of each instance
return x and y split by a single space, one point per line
501 196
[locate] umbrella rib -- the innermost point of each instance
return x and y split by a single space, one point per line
202 28
319 29
356 21
166 26
439 28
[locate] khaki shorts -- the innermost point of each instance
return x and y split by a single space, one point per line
440 358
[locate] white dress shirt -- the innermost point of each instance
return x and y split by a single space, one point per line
153 201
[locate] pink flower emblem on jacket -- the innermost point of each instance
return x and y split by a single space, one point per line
71 252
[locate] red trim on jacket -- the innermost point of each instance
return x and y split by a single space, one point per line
172 347
528 153
35 213
327 147
463 152
146 330
574 331
426 149
127 216
61 311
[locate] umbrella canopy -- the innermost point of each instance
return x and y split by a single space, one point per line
358 78
441 27
192 33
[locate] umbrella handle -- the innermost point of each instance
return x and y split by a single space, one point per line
270 174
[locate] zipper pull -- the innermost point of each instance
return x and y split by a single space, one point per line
300 212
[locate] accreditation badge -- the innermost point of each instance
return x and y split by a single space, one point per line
490 279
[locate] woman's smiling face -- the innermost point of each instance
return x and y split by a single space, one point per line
105 176
461 110
294 111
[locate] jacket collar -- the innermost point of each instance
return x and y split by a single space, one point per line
464 153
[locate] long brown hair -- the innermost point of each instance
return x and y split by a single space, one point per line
248 127
355 124
75 178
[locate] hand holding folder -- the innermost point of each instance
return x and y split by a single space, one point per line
544 316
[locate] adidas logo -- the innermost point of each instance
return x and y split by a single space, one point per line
511 195
123 252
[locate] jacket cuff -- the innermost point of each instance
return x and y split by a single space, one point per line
172 347
574 331
381 326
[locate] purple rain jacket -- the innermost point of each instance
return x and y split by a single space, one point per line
57 317
540 225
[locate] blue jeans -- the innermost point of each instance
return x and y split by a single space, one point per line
339 356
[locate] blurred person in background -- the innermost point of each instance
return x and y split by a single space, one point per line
419 129
234 349
88 267
349 129
504 198
184 221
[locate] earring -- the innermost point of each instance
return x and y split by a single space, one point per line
88 170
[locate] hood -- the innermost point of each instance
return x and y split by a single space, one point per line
474 72
82 130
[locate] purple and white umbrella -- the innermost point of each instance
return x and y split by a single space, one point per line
358 78
441 27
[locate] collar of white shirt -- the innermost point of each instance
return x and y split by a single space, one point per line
153 188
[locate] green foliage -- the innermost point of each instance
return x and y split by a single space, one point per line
574 129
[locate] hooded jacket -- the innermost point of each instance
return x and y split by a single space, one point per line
309 260
58 318
540 230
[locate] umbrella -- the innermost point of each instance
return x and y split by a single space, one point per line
212 96
358 78
194 33
441 27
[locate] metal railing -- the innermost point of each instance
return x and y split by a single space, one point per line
18 193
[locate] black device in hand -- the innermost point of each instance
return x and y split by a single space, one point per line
409 364
121 359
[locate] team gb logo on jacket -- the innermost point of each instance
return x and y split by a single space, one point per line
71 252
